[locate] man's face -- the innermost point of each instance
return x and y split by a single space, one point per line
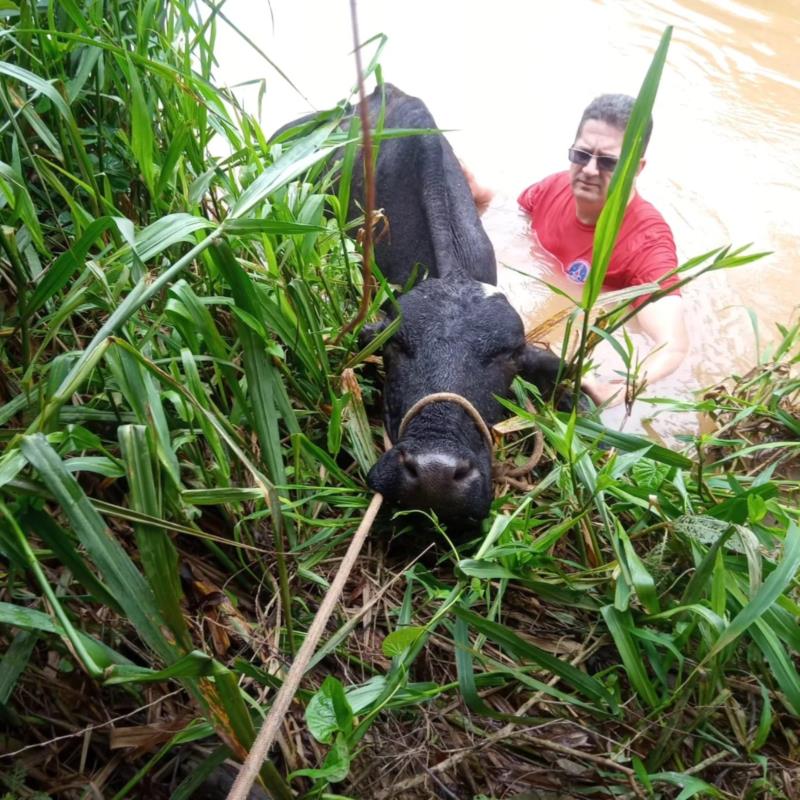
590 184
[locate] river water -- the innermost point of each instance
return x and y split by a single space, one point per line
510 80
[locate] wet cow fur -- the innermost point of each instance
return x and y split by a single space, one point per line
458 332
462 336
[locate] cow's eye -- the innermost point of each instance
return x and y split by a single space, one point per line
401 343
499 354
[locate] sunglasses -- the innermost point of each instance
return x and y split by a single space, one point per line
582 158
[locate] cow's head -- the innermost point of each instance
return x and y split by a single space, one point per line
461 336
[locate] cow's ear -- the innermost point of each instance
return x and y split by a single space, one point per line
541 367
370 331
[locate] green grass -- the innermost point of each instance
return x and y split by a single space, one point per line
184 449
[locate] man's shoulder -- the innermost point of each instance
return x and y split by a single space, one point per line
646 247
643 211
555 182
544 190
644 222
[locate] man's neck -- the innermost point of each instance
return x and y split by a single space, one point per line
589 213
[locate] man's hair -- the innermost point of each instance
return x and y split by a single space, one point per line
614 110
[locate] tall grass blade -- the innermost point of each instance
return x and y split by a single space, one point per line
158 554
114 564
580 681
772 588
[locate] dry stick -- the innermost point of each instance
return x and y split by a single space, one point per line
280 706
369 187
90 728
266 736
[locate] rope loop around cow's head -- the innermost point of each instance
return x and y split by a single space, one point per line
502 473
448 397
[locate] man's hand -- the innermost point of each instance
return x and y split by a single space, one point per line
611 392
482 195
663 323
664 326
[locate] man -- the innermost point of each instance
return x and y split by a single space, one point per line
564 210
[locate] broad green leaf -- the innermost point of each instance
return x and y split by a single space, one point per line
139 295
21 201
14 662
336 766
66 265
628 442
619 624
142 139
11 464
690 786
765 720
30 619
156 550
611 216
397 641
643 581
329 711
166 232
782 668
247 227
264 383
64 546
304 154
193 665
38 84
464 666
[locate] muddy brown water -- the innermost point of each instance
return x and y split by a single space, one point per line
510 79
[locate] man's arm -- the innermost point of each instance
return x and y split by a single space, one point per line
482 195
663 324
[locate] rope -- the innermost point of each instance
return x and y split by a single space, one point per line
524 469
448 397
503 472
266 736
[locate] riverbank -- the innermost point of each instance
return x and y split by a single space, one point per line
185 444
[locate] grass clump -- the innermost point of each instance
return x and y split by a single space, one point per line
184 450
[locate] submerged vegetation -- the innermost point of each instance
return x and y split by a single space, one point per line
184 444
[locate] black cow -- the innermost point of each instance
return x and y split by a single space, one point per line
461 336
458 334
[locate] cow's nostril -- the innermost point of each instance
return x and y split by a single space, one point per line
463 470
452 484
410 467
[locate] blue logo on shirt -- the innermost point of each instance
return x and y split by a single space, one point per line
578 271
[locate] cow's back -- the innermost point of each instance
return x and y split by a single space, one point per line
433 221
422 190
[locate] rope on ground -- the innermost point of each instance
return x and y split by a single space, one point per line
280 705
504 472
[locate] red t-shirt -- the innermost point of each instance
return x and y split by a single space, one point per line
644 250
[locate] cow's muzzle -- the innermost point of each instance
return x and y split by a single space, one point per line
454 486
